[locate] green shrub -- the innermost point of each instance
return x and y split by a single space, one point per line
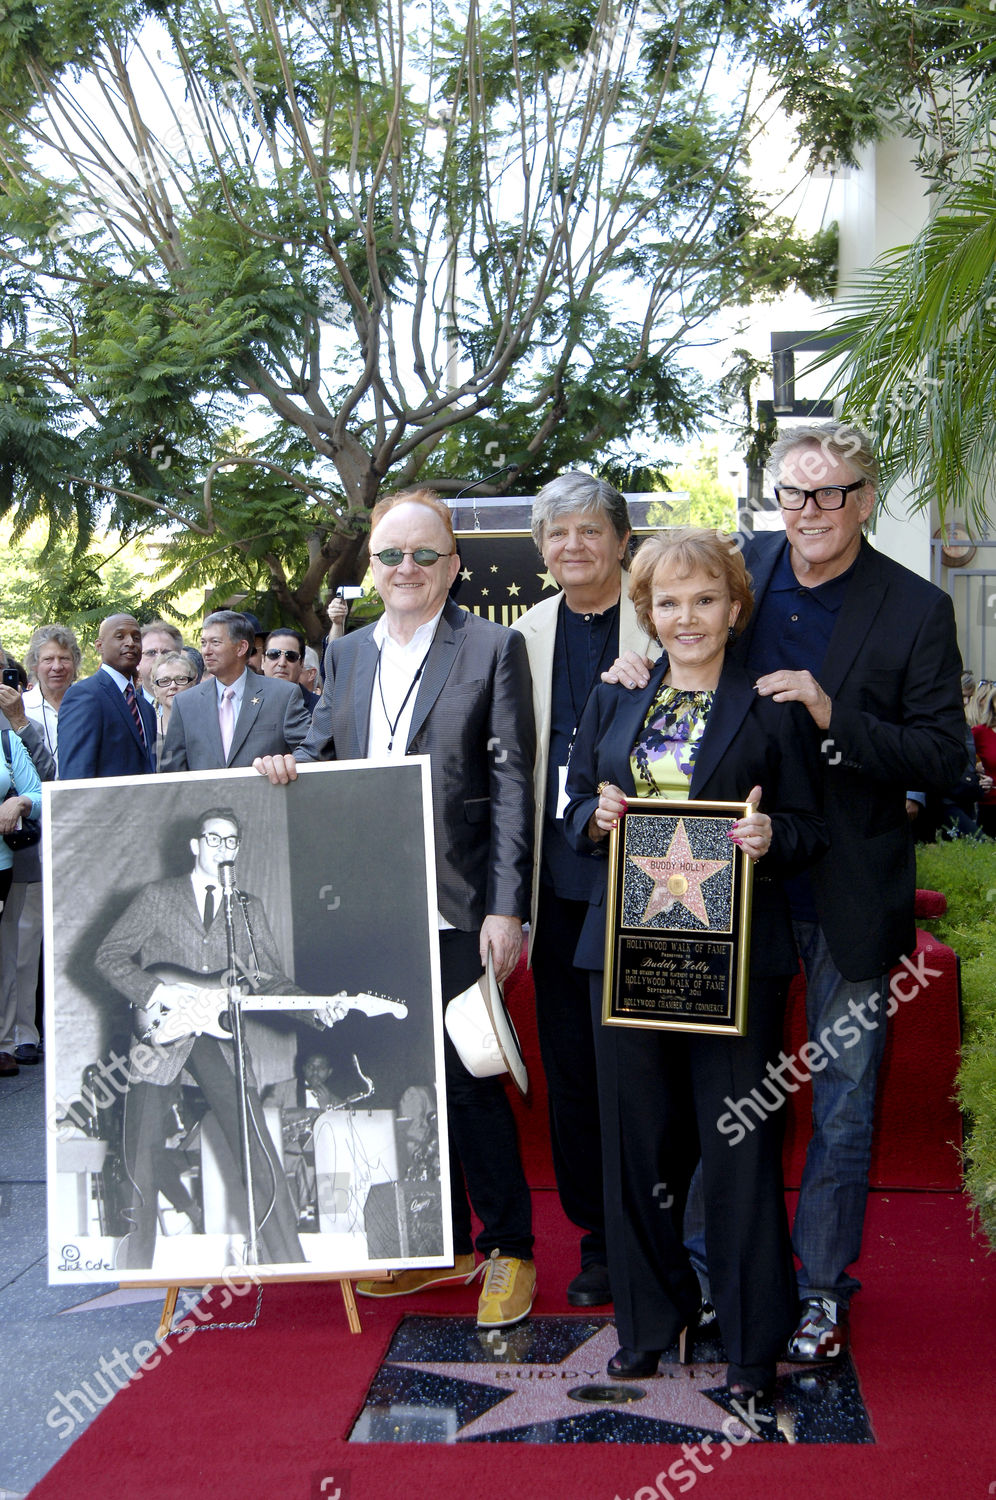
965 870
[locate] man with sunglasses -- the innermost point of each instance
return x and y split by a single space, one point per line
870 649
283 657
432 679
171 939
234 715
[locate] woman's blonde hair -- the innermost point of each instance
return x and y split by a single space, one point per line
980 710
685 550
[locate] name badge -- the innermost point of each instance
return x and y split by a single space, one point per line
561 791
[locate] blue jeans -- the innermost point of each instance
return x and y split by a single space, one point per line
831 1213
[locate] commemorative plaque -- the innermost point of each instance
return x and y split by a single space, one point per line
677 940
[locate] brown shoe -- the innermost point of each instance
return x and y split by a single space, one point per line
422 1279
8 1065
508 1292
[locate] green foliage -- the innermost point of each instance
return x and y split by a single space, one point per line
709 503
965 870
42 582
919 328
370 243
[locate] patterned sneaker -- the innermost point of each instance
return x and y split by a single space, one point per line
422 1279
821 1335
508 1291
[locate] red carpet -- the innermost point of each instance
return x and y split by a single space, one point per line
262 1414
918 1134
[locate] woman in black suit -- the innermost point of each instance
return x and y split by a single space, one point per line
698 730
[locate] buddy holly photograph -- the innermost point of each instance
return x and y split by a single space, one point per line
184 909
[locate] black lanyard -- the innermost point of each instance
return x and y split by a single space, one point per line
393 727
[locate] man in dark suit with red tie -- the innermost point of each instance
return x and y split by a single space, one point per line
105 728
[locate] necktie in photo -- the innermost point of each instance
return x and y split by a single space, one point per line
132 703
208 906
226 719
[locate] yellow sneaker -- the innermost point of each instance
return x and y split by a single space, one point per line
508 1292
421 1279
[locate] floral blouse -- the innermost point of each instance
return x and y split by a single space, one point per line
663 757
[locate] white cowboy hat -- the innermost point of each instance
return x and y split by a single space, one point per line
481 1030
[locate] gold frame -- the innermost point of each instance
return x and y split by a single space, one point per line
705 946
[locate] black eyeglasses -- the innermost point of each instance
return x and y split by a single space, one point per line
274 655
164 682
827 497
424 556
215 840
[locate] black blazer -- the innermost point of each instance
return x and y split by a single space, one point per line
893 671
748 741
473 717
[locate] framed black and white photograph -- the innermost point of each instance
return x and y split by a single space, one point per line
242 986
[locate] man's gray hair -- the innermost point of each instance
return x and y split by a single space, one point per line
163 627
577 491
61 635
238 627
836 440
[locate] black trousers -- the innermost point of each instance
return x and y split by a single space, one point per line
567 1047
484 1145
662 1095
146 1123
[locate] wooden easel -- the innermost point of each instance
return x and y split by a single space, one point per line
345 1283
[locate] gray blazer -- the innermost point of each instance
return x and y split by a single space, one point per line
473 717
272 721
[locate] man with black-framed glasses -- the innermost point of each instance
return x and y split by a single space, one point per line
283 658
167 954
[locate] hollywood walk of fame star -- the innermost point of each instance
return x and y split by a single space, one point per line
678 876
538 1393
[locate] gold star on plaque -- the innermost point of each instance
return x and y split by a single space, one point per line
513 589
494 567
678 876
547 580
466 574
484 595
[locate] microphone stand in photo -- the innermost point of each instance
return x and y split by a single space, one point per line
226 872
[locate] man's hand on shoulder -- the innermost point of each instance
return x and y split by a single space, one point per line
798 687
279 770
629 670
504 937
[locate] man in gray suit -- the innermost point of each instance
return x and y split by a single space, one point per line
431 679
234 715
